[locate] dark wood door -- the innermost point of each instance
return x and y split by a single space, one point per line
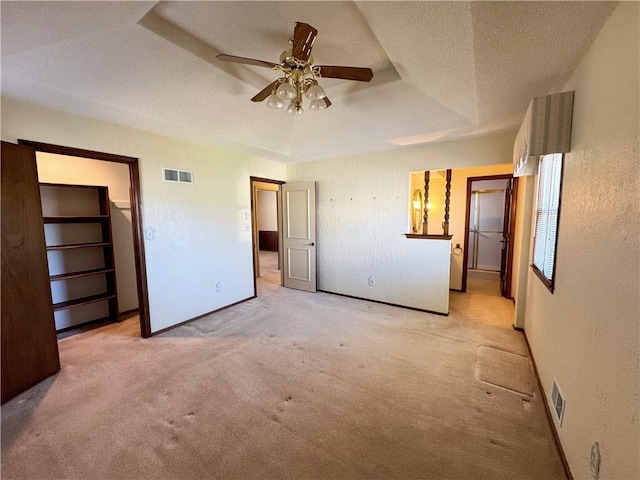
29 344
506 262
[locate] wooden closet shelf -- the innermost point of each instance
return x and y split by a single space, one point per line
84 273
81 205
77 245
76 219
83 301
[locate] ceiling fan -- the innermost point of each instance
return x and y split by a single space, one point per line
299 74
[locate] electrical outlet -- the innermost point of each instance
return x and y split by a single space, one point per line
372 281
595 461
218 287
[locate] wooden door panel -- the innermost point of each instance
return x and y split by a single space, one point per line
507 239
29 343
299 236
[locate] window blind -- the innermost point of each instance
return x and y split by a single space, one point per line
548 205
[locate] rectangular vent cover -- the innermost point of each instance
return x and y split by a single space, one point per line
557 402
174 175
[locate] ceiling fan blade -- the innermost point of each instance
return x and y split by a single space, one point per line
303 37
348 73
265 92
246 61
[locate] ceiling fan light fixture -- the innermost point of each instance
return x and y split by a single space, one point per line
315 92
299 74
286 91
317 104
295 108
274 102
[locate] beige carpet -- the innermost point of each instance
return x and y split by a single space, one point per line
287 385
505 369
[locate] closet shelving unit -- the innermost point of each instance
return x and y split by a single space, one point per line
77 224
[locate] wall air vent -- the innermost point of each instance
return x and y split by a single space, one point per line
557 402
173 175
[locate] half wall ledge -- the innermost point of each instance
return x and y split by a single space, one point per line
428 237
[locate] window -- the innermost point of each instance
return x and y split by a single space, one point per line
547 212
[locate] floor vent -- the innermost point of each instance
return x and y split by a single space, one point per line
174 175
557 402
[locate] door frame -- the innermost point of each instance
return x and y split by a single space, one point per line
509 225
254 226
136 216
465 258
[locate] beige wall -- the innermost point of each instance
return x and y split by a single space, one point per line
522 246
199 235
586 334
267 210
458 207
362 216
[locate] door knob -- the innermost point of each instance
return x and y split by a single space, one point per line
311 244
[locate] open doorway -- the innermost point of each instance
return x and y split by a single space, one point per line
67 171
490 217
266 230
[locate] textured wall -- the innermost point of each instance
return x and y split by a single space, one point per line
458 207
522 246
199 231
362 216
586 334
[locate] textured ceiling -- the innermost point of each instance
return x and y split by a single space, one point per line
442 70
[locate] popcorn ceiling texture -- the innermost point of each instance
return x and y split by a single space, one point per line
441 69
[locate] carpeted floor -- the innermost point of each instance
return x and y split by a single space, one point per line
291 385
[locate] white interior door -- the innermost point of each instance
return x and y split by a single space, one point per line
299 235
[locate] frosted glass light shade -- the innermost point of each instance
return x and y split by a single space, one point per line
295 109
315 92
286 91
274 102
317 105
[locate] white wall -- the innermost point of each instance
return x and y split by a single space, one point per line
362 216
82 171
521 247
586 334
200 234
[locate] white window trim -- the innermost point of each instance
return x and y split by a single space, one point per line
545 240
